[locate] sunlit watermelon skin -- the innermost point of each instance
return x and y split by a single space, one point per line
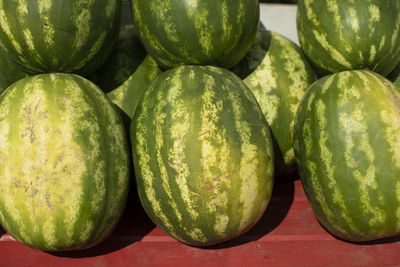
347 147
278 74
59 35
203 155
64 163
338 35
196 32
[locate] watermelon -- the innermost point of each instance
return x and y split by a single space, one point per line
347 147
64 162
127 95
339 35
196 32
9 73
203 155
278 74
59 35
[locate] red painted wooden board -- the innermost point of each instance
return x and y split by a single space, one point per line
287 235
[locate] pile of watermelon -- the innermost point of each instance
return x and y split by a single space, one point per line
206 107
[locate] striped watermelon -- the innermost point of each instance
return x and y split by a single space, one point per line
196 32
9 73
59 35
278 74
203 155
347 146
127 95
338 35
64 162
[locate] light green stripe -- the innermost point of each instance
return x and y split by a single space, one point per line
29 40
22 8
331 50
200 16
248 162
4 24
227 27
44 7
176 155
82 22
163 10
144 169
264 73
93 50
355 24
332 6
392 133
159 135
215 154
328 164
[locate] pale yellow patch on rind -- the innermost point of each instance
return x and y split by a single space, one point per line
333 7
22 8
147 176
179 128
198 235
159 123
222 221
82 20
248 164
354 20
335 54
163 10
200 17
215 154
391 119
31 46
268 102
374 12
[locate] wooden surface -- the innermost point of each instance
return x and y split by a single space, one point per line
287 235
